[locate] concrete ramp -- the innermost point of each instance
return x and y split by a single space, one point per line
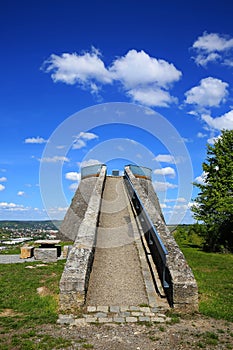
116 277
124 259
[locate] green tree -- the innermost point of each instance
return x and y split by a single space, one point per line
214 203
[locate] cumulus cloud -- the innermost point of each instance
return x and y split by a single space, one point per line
82 138
152 96
137 68
20 193
213 47
2 187
163 186
54 159
73 176
201 178
165 158
209 93
144 79
88 162
83 69
12 207
3 179
223 122
35 140
213 139
165 171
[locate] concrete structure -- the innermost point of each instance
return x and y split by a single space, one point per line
80 225
74 280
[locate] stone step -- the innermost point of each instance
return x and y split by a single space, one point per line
115 314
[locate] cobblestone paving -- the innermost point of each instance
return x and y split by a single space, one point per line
117 314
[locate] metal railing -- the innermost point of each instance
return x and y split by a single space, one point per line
148 228
140 171
91 170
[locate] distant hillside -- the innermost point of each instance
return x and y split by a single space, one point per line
47 224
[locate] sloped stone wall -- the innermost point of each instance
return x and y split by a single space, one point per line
76 212
182 292
75 277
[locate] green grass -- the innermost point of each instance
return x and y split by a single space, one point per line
214 276
20 304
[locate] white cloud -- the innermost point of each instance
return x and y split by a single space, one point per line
201 178
20 193
223 122
209 93
152 96
163 206
163 186
2 187
213 42
82 138
138 68
212 140
74 68
73 176
165 171
12 207
144 78
181 207
57 210
78 144
212 47
73 186
35 140
203 60
180 200
3 179
165 158
200 135
54 159
88 162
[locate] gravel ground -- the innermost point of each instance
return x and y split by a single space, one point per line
193 332
116 277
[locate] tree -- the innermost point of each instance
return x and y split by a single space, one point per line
214 203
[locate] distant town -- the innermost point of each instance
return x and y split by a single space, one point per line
16 232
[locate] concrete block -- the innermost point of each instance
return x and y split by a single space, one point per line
45 254
26 252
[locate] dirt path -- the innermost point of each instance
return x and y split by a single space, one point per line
116 277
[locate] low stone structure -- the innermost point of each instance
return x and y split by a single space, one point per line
45 254
26 252
182 293
75 277
117 314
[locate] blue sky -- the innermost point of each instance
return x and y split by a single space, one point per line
172 59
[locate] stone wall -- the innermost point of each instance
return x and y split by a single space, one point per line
76 212
182 292
75 277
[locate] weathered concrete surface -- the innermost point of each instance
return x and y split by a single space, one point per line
75 277
76 212
183 292
45 254
116 277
